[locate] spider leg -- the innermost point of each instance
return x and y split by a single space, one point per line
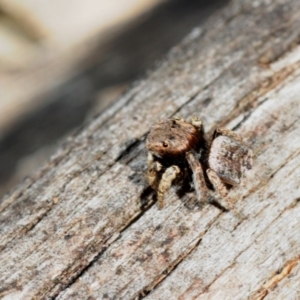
217 183
177 118
197 123
154 168
165 183
227 132
198 177
221 188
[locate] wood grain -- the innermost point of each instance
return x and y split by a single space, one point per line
86 225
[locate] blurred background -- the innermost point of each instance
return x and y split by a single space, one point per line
62 62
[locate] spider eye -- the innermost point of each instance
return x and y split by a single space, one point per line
165 144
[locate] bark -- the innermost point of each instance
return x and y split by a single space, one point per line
86 226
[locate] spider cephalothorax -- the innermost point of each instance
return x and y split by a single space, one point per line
175 145
175 137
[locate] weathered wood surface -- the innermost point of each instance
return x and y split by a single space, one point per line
84 83
85 227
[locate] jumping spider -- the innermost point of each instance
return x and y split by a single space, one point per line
177 147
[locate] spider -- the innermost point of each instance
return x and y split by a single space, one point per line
177 147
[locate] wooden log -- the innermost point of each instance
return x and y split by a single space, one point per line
86 226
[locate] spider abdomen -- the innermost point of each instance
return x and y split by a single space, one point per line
229 159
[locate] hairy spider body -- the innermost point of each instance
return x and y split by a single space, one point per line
175 146
230 159
171 139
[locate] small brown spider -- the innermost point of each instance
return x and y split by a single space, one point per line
175 146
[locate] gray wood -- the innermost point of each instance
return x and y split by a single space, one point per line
86 226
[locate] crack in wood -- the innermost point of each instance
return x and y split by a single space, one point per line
84 256
145 205
147 290
243 105
270 56
108 242
172 267
205 101
29 227
132 145
250 101
266 86
271 175
59 286
194 96
271 283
